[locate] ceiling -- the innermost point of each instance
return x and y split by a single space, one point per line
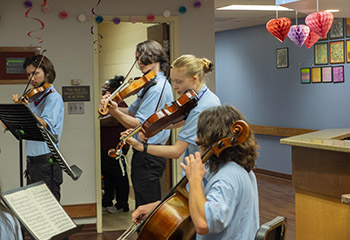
226 20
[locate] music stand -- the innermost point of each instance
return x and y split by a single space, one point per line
22 123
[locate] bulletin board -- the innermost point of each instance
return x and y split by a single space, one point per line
11 63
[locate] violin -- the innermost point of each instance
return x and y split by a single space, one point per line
33 91
125 91
176 112
171 218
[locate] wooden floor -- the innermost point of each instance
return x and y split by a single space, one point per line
276 198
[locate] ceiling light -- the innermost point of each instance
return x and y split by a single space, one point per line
332 10
255 8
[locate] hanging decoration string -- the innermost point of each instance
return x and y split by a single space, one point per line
29 34
296 17
317 5
99 19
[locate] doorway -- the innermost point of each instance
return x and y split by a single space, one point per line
115 56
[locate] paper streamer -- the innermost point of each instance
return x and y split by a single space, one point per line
29 34
99 19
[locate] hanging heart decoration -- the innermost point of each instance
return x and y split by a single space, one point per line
298 34
279 27
311 39
320 22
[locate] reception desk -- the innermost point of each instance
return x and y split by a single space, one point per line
321 176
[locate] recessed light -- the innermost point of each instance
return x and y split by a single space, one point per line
332 10
255 8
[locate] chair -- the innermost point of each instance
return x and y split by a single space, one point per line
273 230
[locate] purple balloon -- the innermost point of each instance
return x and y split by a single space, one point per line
298 34
116 20
28 4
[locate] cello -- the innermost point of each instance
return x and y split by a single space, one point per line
171 218
176 112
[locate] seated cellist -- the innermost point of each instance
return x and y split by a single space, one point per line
223 195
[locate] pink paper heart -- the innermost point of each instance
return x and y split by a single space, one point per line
320 22
311 39
298 34
279 27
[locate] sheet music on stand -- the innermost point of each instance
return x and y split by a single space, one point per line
39 212
22 123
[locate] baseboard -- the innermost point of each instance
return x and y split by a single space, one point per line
81 210
274 174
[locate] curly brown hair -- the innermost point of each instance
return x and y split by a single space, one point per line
215 124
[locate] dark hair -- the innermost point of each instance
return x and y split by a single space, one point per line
5 221
112 84
151 51
214 124
46 65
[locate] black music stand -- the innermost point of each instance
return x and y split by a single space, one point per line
22 123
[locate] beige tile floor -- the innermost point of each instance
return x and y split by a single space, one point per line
118 221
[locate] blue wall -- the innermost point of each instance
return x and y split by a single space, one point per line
247 77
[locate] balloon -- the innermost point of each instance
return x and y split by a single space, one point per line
298 34
28 4
197 4
311 39
320 22
99 19
63 15
279 27
182 9
150 17
116 20
166 13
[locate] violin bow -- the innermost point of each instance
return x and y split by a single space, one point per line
36 67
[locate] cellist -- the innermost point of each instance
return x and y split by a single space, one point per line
147 169
223 195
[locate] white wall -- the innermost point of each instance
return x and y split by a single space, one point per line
69 46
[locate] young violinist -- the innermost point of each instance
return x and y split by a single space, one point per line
47 105
187 72
223 195
115 178
147 169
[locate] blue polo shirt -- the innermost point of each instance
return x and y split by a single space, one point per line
232 206
188 133
143 107
48 106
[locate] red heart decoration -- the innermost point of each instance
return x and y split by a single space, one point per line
320 22
311 39
279 27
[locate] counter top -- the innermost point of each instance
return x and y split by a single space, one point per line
328 139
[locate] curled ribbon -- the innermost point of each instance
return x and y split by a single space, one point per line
92 27
36 19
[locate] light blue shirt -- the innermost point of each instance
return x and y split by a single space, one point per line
232 207
50 108
188 133
15 231
143 108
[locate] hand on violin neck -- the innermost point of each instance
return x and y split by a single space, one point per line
130 140
15 99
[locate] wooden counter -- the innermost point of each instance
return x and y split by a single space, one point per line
320 176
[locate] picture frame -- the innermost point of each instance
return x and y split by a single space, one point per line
338 74
282 58
336 52
348 51
327 74
316 75
347 27
321 53
305 75
337 29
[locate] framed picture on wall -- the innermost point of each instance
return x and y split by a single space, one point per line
348 27
336 52
282 57
338 74
321 53
327 74
316 75
337 29
305 74
347 50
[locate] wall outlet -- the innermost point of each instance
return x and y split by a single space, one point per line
76 108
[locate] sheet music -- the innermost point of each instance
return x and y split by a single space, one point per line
37 208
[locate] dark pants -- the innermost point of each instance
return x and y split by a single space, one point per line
146 171
115 184
40 169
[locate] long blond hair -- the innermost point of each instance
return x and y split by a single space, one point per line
193 66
